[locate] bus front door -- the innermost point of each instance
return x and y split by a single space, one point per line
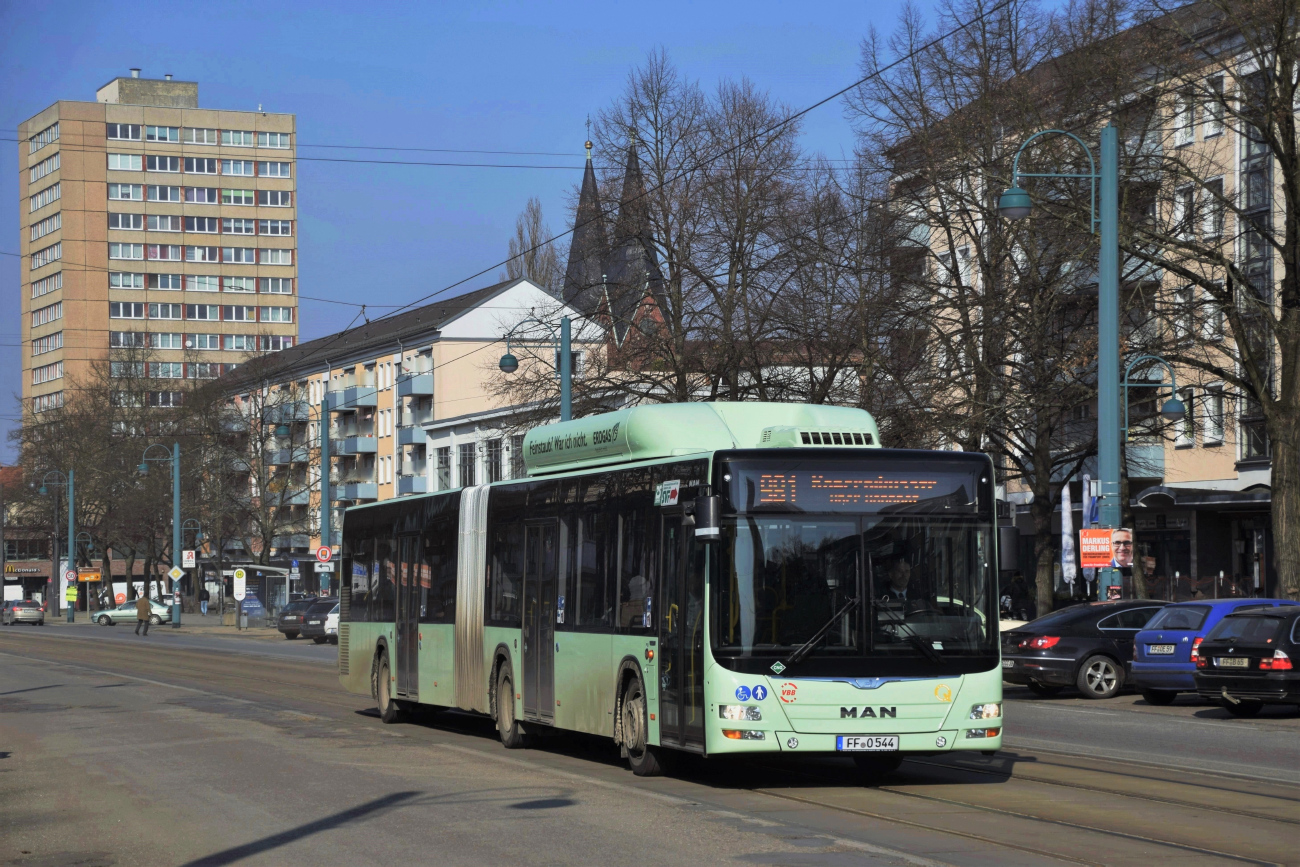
681 635
541 555
407 632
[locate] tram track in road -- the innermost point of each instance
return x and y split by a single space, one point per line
956 794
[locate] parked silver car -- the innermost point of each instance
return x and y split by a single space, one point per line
22 611
125 613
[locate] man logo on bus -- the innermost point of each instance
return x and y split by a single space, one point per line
789 692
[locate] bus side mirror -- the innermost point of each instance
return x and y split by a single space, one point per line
707 527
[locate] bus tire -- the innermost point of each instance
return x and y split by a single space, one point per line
874 767
513 734
645 760
389 710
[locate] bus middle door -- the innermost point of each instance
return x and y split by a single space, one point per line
408 617
541 567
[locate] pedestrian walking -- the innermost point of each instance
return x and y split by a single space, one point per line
142 613
204 596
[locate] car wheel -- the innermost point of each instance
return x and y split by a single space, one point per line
389 710
1243 708
155 619
875 767
1100 677
319 639
1044 690
291 635
334 639
513 735
1159 696
104 620
645 760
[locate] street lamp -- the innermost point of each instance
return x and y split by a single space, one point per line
175 457
58 479
509 364
1172 409
1015 204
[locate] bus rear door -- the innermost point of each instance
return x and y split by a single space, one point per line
541 567
408 618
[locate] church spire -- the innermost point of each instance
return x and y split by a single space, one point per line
590 244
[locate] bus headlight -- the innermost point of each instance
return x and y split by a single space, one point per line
992 710
740 712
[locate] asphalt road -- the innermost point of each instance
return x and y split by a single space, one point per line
215 749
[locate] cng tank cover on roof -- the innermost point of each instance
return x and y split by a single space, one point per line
650 432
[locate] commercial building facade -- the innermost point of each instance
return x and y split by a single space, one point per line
148 222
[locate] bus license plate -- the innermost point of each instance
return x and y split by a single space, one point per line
1160 649
867 743
1232 662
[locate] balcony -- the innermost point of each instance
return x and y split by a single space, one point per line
296 498
283 457
287 413
353 397
362 445
420 385
296 540
412 485
410 436
357 491
1146 459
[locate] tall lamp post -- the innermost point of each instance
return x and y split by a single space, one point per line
1015 204
57 479
175 457
509 364
83 538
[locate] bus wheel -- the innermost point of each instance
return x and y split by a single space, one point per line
646 761
874 767
513 736
389 710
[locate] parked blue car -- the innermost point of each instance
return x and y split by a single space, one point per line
1163 661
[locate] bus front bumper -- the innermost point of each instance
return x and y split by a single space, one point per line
947 740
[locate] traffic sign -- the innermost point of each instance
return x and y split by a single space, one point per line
293 564
324 553
70 576
187 559
240 584
176 573
324 567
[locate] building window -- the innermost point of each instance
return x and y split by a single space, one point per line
46 285
239 255
49 343
273 170
238 226
1212 219
494 464
125 280
1184 217
1254 434
203 370
273 139
126 192
49 224
162 133
274 227
200 136
276 257
156 193
201 225
124 162
165 340
166 370
46 136
44 167
238 313
164 311
466 464
275 198
125 310
1214 106
45 402
240 342
237 197
202 195
208 312
238 167
206 341
237 138
123 131
443 467
238 284
202 254
47 314
517 469
167 281
201 282
1185 435
133 222
277 314
1184 119
125 251
276 285
202 166
166 399
162 164
164 252
126 339
41 258
275 342
47 372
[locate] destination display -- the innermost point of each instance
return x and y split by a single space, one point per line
832 488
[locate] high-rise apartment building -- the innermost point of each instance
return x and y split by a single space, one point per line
149 222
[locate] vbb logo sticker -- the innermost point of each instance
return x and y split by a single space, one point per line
789 692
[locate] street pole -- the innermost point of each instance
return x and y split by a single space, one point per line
55 572
176 532
325 531
72 551
1108 434
566 371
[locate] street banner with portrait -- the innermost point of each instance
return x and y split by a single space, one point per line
1095 550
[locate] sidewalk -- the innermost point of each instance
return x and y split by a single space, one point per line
191 624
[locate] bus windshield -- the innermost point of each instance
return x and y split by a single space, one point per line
906 577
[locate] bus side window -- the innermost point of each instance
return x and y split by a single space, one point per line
636 574
507 554
382 609
439 567
362 573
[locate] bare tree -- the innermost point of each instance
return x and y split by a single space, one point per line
532 253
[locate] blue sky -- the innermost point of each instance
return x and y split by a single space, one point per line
478 76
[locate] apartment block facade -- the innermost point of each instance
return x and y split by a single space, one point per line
148 222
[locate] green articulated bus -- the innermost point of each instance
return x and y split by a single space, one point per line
714 578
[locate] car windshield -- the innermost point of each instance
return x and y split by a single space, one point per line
1247 629
916 579
1190 617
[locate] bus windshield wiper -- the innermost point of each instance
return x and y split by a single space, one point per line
927 649
804 649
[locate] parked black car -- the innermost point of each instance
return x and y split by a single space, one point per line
313 619
290 620
1249 660
1088 646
